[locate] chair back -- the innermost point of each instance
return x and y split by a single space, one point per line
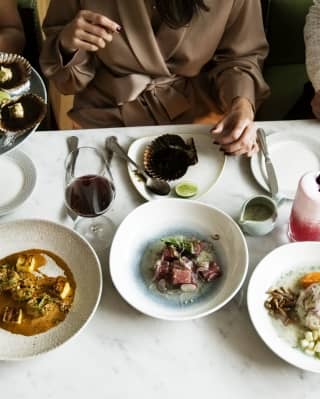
284 22
30 19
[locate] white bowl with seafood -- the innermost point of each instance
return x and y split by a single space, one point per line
284 303
50 286
177 260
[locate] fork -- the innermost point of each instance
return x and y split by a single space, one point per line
72 142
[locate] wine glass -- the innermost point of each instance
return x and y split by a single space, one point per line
89 192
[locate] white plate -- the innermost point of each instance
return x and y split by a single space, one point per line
84 264
289 257
38 87
18 178
292 155
155 219
204 174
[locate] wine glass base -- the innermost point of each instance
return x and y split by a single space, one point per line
98 231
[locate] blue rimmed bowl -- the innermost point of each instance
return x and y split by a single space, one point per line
146 225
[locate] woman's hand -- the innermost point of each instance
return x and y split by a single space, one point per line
315 104
236 132
88 31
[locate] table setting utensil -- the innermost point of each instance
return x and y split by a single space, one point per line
157 186
109 153
89 192
72 142
271 174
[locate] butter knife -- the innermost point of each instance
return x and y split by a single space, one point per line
271 174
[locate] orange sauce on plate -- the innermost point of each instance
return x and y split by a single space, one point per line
31 325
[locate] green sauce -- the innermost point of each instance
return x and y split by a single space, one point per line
257 212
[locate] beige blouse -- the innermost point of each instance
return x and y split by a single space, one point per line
170 76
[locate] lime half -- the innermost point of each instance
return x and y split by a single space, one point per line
186 189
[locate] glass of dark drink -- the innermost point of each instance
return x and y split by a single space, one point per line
89 192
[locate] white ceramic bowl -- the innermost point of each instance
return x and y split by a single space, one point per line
287 258
85 266
164 217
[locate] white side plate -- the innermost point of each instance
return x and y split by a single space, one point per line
17 180
292 155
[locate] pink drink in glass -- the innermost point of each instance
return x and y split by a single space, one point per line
304 222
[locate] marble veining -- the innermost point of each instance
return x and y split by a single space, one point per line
124 354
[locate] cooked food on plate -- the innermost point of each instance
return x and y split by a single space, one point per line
168 156
5 74
181 264
4 97
298 305
15 73
20 110
36 291
22 114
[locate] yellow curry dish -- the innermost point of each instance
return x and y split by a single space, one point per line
36 291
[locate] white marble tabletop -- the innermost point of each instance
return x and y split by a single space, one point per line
122 353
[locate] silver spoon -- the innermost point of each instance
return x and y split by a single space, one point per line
157 186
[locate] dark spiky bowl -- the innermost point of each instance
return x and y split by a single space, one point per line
168 157
21 73
34 110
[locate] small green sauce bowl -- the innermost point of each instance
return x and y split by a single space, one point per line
258 215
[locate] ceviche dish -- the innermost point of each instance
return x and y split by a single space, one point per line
181 264
36 291
296 303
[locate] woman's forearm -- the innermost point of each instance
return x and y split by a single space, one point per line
11 40
69 73
312 41
239 59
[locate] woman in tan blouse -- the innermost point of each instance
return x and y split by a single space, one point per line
144 62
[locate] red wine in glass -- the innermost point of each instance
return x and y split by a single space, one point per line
89 192
90 195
